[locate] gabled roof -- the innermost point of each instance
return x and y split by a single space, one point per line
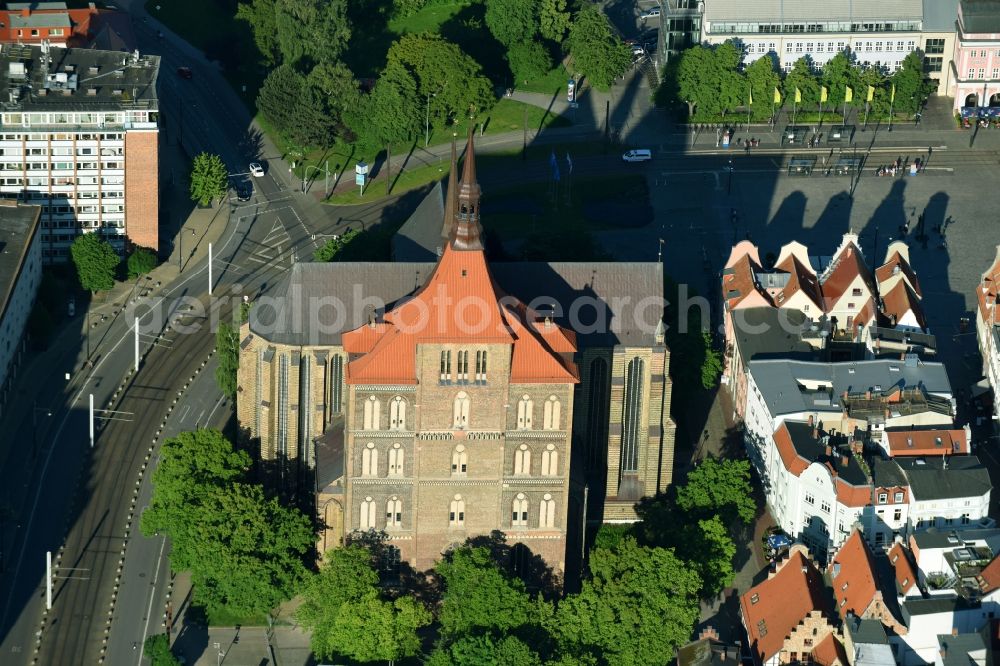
800 444
853 576
900 300
905 572
739 284
933 478
989 577
927 442
772 609
830 652
847 265
898 265
988 290
800 278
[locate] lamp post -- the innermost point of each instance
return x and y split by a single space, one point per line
427 120
219 654
729 184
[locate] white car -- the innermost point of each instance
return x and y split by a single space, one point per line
256 170
649 13
638 155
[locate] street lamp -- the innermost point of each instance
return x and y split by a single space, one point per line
427 120
219 654
729 185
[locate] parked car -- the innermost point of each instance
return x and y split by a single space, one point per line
185 72
71 307
244 191
256 170
649 13
638 155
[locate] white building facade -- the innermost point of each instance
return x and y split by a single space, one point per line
20 275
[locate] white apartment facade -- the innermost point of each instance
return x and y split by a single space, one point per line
20 275
79 138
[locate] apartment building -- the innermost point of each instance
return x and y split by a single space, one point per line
57 24
988 327
78 137
20 275
975 67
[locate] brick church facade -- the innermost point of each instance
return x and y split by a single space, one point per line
441 401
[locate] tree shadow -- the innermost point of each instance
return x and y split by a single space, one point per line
519 561
468 30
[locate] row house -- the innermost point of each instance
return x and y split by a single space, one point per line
60 25
910 442
975 64
988 327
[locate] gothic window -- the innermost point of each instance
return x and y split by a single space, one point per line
336 384
597 413
366 521
461 411
481 366
397 414
373 413
446 366
283 405
525 407
259 391
456 512
396 460
394 512
305 393
369 460
550 461
522 460
631 425
547 512
463 366
550 419
459 460
519 511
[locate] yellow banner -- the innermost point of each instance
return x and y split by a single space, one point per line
848 94
822 95
751 96
871 93
798 96
892 95
777 96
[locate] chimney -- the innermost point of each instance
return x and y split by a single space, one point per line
868 394
829 451
844 460
954 631
26 12
887 413
815 432
709 632
810 419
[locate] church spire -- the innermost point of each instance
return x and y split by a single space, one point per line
467 229
451 195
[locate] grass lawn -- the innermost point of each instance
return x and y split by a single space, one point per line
223 618
551 83
220 36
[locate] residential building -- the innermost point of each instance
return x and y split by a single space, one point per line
20 275
929 618
55 23
708 650
988 328
938 43
973 649
889 515
947 492
934 551
790 617
78 137
870 643
436 431
921 442
975 85
858 589
904 570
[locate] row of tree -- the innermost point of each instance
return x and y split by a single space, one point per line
714 81
312 98
638 603
98 263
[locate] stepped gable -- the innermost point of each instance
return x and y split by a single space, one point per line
848 264
461 302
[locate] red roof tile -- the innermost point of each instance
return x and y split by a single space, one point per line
738 284
772 609
989 577
830 652
800 279
900 300
906 575
887 270
793 462
927 442
848 265
853 576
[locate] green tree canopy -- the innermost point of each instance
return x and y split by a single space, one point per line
156 648
804 80
332 249
871 76
719 486
596 49
391 112
342 609
553 20
485 650
227 347
512 21
209 178
141 261
911 90
528 60
763 79
261 16
708 548
698 80
441 70
838 75
316 31
638 606
279 97
96 262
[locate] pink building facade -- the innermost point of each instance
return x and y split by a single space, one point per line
976 61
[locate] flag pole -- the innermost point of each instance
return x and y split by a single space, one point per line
772 114
892 100
866 115
795 111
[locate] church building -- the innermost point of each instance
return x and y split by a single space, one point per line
438 401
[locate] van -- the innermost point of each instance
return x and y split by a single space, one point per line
638 155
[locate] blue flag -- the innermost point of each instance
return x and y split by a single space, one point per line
555 166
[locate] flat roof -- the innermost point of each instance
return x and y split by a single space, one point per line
42 5
940 15
811 11
935 538
75 79
935 479
18 226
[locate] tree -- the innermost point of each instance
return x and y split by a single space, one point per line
485 650
528 60
227 346
802 78
157 650
638 606
314 31
763 80
209 178
96 262
342 610
698 80
336 87
708 548
479 596
911 90
838 75
553 20
512 21
719 486
391 112
279 97
596 49
261 15
141 261
879 106
453 80
711 365
333 247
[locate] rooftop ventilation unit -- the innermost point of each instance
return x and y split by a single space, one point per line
17 71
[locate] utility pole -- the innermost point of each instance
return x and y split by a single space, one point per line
48 580
91 420
136 329
209 269
524 149
388 168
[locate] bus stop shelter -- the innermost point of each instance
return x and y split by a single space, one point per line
801 166
846 166
795 134
840 133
